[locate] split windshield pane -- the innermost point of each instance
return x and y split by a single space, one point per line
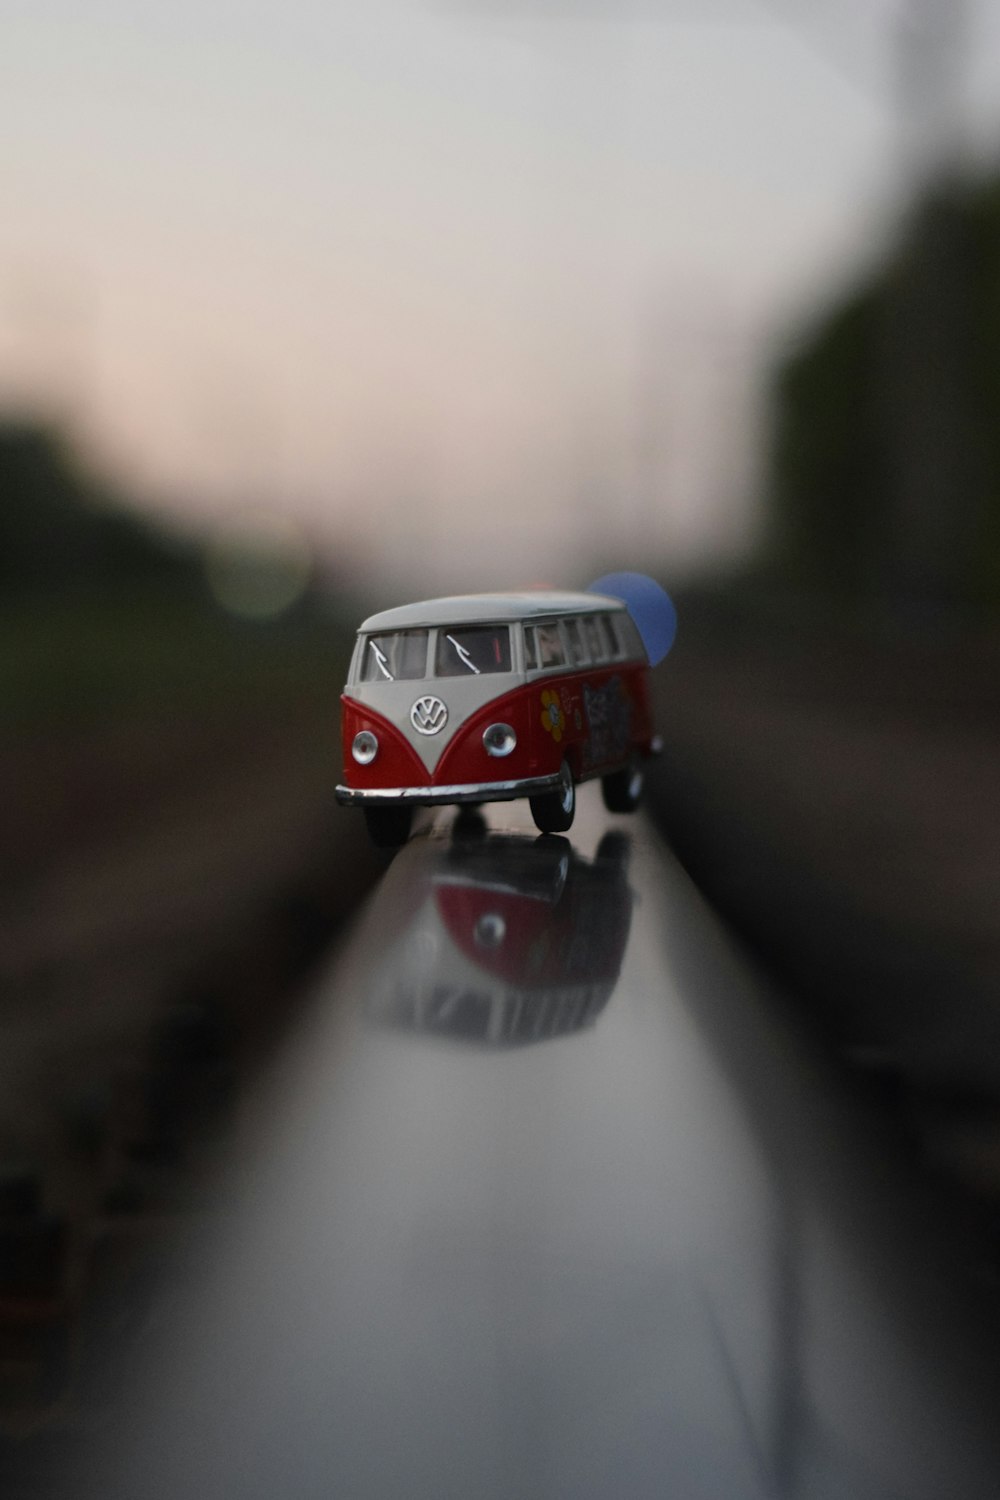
398 656
472 650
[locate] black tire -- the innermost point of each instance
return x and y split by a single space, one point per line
622 790
389 827
469 824
553 811
615 848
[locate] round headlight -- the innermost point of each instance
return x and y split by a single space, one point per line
490 930
499 739
365 747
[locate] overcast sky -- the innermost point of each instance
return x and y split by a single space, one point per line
469 281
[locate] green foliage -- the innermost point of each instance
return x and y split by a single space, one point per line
58 531
828 468
985 374
103 615
885 459
72 660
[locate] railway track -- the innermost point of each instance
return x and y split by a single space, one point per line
545 1198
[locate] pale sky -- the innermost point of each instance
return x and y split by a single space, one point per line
467 282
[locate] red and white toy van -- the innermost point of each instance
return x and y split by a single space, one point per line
488 697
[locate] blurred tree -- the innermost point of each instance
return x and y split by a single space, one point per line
58 530
884 475
827 471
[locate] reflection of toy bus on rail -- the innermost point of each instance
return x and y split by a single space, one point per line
517 942
488 697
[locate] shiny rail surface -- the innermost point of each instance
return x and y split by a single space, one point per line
546 1201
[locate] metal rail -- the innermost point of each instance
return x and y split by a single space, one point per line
544 1200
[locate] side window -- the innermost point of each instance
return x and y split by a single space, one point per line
357 659
574 640
530 654
592 636
550 646
608 638
629 637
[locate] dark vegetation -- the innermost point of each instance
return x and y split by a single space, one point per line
62 532
884 483
171 865
105 613
831 716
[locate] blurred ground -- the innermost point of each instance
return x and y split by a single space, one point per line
834 786
183 852
171 862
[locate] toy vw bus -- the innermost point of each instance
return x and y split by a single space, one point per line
488 697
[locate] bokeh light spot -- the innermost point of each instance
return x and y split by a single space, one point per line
258 564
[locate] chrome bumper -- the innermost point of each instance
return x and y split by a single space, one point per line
433 796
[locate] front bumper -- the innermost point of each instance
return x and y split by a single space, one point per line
434 796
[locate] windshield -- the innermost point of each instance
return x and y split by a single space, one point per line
401 654
475 649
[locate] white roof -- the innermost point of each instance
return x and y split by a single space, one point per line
467 609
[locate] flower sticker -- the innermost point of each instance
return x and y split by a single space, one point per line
553 718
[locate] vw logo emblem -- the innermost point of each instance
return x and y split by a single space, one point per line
428 715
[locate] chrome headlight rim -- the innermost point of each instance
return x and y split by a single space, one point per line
499 740
490 931
365 747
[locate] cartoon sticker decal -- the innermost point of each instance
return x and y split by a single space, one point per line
553 718
609 720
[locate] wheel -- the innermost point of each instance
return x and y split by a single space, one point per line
553 811
469 824
388 827
622 790
614 848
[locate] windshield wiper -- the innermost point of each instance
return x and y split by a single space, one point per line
463 655
382 661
